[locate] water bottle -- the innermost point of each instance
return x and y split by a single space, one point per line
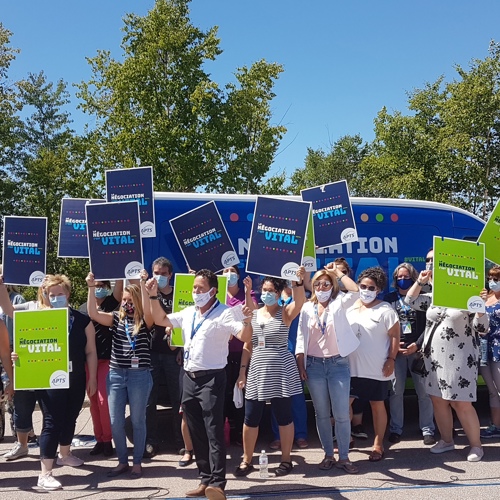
263 465
483 350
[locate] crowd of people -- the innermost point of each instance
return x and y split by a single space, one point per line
328 331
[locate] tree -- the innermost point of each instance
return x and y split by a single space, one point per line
342 162
159 107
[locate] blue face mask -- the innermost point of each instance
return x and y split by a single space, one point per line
404 284
162 280
101 292
268 298
232 278
58 301
494 286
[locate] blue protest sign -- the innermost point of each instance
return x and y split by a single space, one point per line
73 229
203 239
24 250
130 184
332 214
278 237
114 237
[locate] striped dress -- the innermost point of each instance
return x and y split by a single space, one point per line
273 371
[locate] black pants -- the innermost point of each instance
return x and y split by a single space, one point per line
60 408
203 404
235 415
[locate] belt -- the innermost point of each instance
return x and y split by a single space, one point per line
203 373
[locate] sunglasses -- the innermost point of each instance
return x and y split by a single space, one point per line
366 287
429 259
322 284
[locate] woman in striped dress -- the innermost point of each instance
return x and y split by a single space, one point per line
273 373
129 377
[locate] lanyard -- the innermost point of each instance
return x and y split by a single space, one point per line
71 320
131 342
322 326
193 329
404 307
285 302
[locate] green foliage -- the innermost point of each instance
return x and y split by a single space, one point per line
342 162
159 107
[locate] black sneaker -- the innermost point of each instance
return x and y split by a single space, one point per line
429 439
97 449
150 451
359 432
32 438
394 437
107 449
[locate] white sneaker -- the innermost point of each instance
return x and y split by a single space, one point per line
48 482
475 454
16 452
69 460
441 447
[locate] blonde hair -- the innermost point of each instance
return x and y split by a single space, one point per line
321 274
135 292
57 279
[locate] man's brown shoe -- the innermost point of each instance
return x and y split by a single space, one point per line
197 492
215 493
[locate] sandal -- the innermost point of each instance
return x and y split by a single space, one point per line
327 463
275 445
243 469
190 459
284 469
376 455
348 466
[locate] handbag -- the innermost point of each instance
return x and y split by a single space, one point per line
418 363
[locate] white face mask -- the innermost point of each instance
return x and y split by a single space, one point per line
322 295
367 296
202 299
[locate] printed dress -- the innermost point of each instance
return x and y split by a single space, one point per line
273 371
452 365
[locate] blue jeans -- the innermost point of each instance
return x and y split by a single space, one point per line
130 385
329 380
24 406
396 399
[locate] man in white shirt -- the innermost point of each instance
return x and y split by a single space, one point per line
207 327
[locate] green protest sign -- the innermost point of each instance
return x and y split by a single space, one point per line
309 258
41 342
490 235
183 290
458 274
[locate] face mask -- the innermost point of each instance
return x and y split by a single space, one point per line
58 301
405 283
232 278
269 298
128 308
366 296
202 299
101 292
494 286
161 280
323 295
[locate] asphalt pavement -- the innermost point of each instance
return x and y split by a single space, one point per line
408 469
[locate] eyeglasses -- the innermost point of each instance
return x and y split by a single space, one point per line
366 287
429 259
322 284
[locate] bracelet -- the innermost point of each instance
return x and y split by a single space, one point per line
154 297
419 283
389 358
91 286
243 366
298 284
246 323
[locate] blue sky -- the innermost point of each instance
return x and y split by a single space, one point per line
343 61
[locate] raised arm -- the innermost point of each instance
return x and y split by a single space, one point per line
146 307
250 300
292 310
101 317
157 313
118 290
5 303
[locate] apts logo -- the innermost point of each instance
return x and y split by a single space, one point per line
59 380
348 234
133 269
230 259
289 271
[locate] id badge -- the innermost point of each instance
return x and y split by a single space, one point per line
186 354
261 341
135 362
406 327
